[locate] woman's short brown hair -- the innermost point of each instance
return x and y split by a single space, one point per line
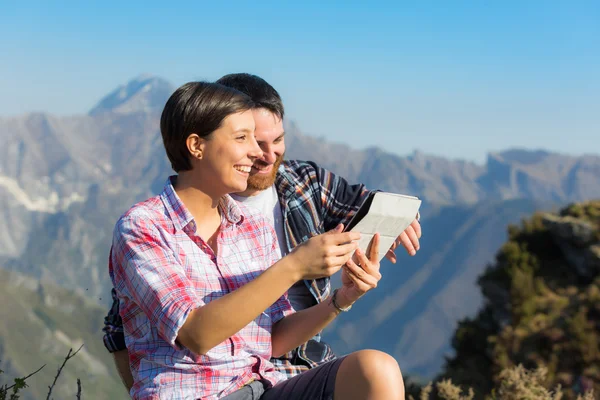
200 108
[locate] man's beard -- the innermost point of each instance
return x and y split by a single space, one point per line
262 182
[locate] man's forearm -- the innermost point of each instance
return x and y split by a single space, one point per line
211 324
298 328
121 358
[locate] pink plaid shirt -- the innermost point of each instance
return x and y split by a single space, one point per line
162 271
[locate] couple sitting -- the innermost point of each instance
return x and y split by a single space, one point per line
206 301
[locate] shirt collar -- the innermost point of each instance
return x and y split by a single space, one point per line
231 210
181 217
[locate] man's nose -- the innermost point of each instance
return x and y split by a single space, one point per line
269 155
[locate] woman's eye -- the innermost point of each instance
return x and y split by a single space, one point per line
243 137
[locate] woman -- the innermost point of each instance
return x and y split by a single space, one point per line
201 283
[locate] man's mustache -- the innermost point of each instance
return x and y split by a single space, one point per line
261 164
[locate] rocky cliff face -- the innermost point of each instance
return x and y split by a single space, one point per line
578 241
541 306
145 93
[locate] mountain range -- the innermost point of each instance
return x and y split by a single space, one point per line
65 180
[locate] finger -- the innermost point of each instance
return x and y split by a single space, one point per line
343 257
363 273
390 255
417 227
355 258
360 286
337 262
405 241
373 248
332 269
360 277
370 266
413 237
338 229
341 238
342 249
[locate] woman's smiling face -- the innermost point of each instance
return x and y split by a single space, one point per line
229 153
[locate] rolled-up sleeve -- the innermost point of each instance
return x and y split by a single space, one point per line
146 272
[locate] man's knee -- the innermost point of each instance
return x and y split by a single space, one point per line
377 369
374 362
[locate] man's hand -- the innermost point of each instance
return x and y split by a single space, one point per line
409 239
359 278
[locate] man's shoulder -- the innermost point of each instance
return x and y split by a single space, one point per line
299 165
299 170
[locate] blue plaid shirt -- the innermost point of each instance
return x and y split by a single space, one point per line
313 201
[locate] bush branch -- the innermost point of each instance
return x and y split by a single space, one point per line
67 358
6 389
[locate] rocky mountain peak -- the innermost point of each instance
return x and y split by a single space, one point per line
145 93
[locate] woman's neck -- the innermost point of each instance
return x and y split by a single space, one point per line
203 206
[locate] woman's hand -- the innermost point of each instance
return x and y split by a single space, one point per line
360 276
324 255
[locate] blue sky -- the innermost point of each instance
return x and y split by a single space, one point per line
451 78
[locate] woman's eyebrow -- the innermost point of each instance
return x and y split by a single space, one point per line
244 130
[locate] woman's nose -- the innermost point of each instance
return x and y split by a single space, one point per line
256 151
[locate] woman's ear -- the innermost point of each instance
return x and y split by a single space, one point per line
195 145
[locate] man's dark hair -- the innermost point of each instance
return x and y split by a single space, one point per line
200 108
262 94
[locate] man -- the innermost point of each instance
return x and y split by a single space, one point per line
302 200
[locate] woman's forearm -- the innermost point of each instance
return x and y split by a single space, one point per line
211 324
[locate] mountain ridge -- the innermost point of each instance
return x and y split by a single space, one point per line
64 181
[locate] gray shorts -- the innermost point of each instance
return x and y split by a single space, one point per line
315 384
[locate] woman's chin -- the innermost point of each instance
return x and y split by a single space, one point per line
238 188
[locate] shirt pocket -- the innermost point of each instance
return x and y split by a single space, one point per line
245 266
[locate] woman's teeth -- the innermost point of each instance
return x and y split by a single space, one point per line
242 168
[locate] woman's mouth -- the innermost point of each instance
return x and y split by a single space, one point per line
243 168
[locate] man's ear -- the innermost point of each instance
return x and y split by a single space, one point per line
195 145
